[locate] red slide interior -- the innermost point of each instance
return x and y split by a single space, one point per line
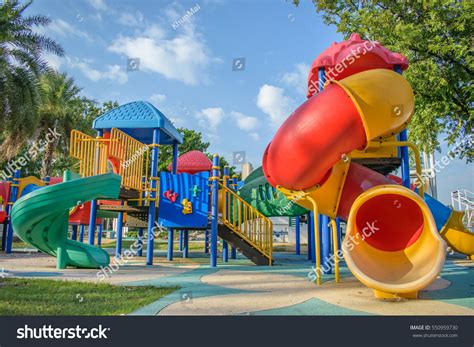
389 222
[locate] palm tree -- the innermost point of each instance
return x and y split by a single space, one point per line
59 113
21 64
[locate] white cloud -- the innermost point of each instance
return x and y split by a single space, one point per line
245 122
110 72
273 101
255 136
298 78
63 28
53 60
131 19
210 117
184 57
157 98
98 4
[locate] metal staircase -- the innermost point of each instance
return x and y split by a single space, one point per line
463 200
245 228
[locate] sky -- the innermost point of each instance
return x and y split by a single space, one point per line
233 70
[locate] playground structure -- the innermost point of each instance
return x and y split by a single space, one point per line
330 160
118 177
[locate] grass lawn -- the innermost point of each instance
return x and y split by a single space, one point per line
51 297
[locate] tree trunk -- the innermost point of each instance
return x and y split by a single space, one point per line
46 167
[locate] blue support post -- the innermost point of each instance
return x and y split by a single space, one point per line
99 234
403 136
326 244
180 247
140 242
93 214
313 240
81 233
233 251
339 234
74 232
321 78
297 235
225 251
185 243
170 244
46 180
140 230
5 223
13 197
206 242
118 246
310 235
152 207
214 209
225 246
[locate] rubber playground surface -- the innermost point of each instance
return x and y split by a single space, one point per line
241 288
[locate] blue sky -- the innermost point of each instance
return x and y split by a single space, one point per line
186 68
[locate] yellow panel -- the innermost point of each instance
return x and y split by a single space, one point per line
326 196
377 152
403 272
385 110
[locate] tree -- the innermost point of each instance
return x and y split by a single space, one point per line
20 66
192 141
58 115
436 37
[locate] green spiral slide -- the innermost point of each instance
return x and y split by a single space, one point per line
40 219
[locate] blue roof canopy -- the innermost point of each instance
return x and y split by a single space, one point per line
138 119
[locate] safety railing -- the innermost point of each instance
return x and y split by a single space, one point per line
247 222
91 153
133 158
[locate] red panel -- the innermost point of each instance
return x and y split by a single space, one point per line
5 191
82 215
55 180
349 57
358 180
312 140
389 222
193 162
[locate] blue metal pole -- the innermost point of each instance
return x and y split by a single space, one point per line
174 159
186 243
180 248
339 234
326 244
403 136
225 246
13 197
170 244
74 232
118 245
206 242
99 234
310 236
5 223
152 207
81 233
233 251
214 209
93 212
140 230
297 235
321 78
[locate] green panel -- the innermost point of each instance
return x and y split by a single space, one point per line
41 219
266 199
